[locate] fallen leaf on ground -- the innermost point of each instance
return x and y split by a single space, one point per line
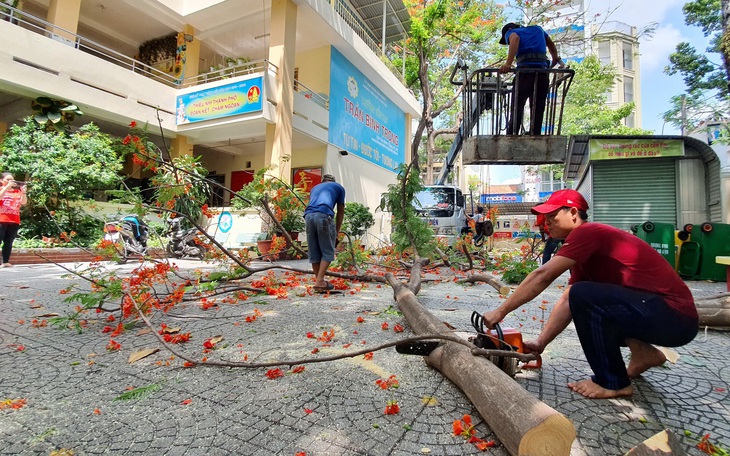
136 356
429 401
167 330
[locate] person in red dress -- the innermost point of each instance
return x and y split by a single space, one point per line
12 197
621 292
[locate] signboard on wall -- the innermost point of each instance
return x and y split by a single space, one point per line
240 97
507 227
613 149
306 178
363 121
501 198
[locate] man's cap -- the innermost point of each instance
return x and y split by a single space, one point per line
328 178
506 29
562 198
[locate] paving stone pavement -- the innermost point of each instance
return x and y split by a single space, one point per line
70 380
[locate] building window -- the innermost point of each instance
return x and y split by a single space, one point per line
604 52
628 89
628 52
630 120
609 96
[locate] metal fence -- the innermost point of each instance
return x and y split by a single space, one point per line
490 100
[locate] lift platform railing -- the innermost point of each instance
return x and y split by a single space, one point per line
488 107
490 100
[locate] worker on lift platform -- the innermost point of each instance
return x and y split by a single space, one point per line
528 46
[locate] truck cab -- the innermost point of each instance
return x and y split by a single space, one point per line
444 208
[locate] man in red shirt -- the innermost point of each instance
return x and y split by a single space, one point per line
551 244
621 292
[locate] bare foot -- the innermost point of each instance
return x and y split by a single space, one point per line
594 391
643 357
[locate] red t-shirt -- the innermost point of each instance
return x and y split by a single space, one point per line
605 254
10 206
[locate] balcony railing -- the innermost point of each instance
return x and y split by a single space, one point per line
47 29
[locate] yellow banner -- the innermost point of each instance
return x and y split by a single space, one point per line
613 149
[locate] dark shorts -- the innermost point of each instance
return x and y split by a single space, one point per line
321 237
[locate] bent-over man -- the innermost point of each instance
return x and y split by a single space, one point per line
323 226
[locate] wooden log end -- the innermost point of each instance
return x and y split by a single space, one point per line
663 443
554 436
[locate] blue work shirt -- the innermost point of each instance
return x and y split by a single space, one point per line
324 197
532 41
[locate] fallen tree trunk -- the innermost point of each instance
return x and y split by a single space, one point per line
714 310
489 279
525 425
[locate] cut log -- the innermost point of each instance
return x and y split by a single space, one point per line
663 443
714 316
489 279
714 310
525 425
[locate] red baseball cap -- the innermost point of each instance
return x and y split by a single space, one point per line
562 198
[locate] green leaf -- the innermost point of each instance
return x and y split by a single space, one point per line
138 393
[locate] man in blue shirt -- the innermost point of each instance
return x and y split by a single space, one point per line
323 226
527 45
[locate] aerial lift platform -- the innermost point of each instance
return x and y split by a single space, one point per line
487 102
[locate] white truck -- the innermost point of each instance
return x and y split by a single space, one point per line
444 208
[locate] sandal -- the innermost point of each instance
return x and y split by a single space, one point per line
329 287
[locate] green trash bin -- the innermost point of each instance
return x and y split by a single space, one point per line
713 240
658 235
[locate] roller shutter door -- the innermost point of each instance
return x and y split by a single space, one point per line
627 192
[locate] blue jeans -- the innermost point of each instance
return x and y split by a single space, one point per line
321 237
605 315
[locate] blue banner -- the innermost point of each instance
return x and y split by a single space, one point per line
224 101
363 121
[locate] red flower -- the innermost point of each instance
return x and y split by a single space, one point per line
308 411
107 329
274 373
398 328
208 344
310 335
360 320
298 369
187 401
384 326
392 408
133 124
368 356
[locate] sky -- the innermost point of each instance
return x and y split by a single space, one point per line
656 87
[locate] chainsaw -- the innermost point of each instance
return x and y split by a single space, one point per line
500 345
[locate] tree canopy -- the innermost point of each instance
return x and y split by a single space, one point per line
586 111
706 74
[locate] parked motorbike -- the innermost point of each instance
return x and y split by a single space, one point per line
181 242
129 234
481 231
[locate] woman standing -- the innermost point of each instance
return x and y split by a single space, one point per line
12 197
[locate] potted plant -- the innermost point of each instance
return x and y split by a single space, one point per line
280 205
